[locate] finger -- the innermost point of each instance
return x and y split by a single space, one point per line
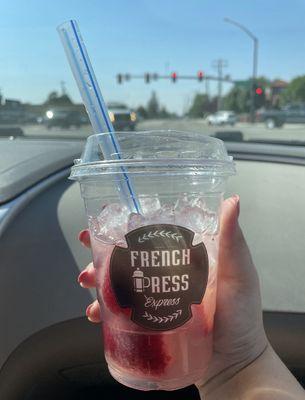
87 277
235 260
93 312
84 238
229 220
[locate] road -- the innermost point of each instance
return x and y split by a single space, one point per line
257 131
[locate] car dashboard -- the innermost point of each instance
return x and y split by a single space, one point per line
49 347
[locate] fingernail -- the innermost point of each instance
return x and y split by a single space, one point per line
237 200
83 236
88 311
81 277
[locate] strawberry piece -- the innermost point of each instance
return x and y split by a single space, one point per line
142 353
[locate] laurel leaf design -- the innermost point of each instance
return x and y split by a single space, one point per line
162 320
159 234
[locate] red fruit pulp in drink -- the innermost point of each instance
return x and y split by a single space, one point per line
141 352
133 349
147 359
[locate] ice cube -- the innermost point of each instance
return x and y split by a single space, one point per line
135 221
197 219
191 217
165 215
199 202
212 222
150 204
197 238
112 223
93 225
121 243
181 203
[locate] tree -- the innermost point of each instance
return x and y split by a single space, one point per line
153 107
295 91
142 112
238 99
163 113
54 99
201 104
263 81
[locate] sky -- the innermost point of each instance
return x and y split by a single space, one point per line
138 36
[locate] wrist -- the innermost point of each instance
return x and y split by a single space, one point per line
266 377
220 385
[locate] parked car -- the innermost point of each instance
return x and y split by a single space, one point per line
122 117
64 118
222 118
291 113
11 116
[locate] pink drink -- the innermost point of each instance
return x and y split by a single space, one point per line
155 253
148 359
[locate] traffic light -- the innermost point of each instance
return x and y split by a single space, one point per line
119 78
259 96
174 76
147 78
200 75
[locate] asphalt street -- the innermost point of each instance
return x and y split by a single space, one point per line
289 132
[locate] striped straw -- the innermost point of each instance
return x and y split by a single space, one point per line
96 108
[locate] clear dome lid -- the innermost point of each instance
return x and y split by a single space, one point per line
154 152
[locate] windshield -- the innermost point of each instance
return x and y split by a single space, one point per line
118 106
167 65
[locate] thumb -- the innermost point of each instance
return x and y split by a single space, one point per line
235 261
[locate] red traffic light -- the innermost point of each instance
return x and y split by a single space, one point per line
259 91
174 76
200 75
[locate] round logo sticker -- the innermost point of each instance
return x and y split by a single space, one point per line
159 275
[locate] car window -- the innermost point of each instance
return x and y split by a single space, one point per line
184 75
117 106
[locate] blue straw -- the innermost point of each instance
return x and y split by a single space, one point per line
96 108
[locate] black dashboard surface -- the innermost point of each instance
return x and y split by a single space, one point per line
23 163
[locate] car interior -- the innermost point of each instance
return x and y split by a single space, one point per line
50 347
232 71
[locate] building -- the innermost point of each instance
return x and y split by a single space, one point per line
276 89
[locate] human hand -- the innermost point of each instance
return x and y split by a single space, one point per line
239 335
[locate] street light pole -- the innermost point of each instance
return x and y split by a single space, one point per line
219 65
255 62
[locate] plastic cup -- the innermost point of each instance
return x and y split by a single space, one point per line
156 271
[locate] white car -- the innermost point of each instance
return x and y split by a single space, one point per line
222 118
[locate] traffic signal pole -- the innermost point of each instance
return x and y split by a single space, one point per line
254 78
219 65
255 61
174 77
